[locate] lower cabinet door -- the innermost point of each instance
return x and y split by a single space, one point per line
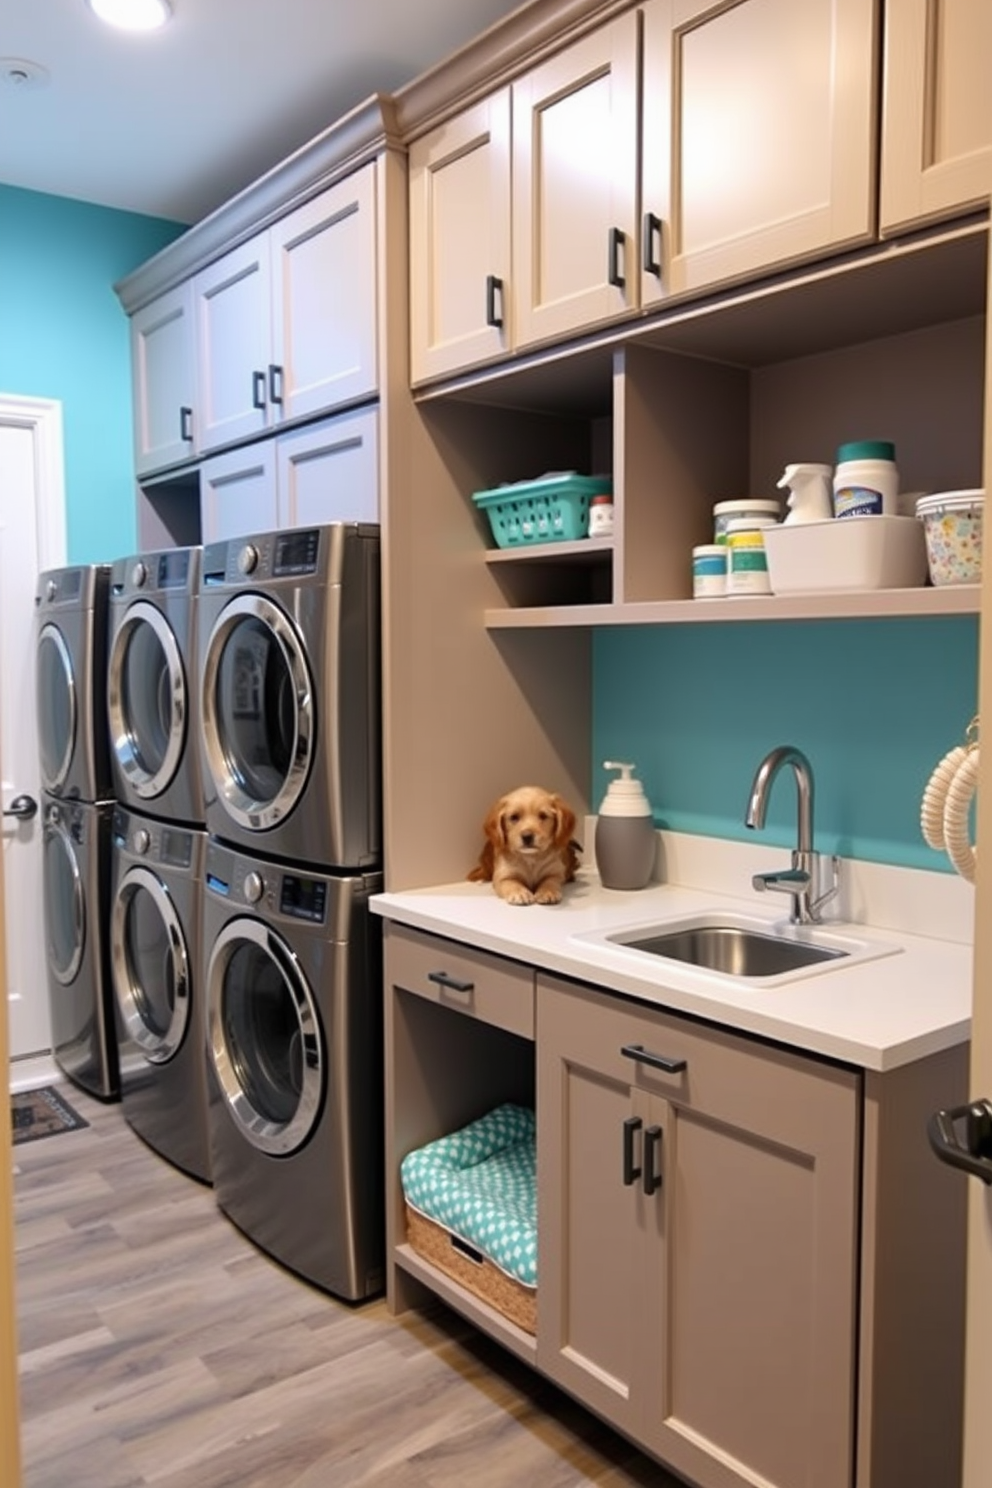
698 1240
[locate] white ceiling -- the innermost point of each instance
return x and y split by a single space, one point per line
172 123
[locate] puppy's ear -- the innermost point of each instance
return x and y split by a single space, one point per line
494 825
566 822
483 870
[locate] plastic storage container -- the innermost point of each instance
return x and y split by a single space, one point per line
709 571
726 512
866 479
625 837
747 559
952 527
858 553
554 508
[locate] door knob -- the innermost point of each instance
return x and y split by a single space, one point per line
970 1150
23 807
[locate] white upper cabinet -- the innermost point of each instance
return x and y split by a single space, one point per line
286 323
575 120
936 114
460 240
163 374
238 492
758 134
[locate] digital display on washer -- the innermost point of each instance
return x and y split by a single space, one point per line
177 849
296 553
303 898
173 569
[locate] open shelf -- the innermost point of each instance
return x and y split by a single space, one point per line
524 1345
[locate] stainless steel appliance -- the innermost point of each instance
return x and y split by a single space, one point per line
152 698
156 961
293 982
76 855
71 663
290 706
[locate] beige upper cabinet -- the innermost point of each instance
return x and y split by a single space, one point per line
163 380
936 113
460 240
575 249
758 134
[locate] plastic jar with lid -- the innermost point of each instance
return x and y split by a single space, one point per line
709 571
601 514
866 479
747 561
725 512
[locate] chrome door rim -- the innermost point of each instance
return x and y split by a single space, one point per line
58 831
257 816
146 783
52 633
158 1048
277 1139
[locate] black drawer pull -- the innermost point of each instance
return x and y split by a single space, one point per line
275 384
258 391
630 1127
970 1150
652 235
452 983
186 424
618 241
640 1055
494 288
652 1171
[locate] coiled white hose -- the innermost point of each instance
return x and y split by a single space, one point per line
956 813
935 798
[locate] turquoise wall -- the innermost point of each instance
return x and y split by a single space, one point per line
873 704
63 334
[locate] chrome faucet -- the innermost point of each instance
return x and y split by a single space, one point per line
802 879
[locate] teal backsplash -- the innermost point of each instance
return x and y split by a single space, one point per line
874 704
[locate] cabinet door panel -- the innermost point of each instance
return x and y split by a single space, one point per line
329 473
163 381
238 492
459 237
233 339
768 163
324 299
574 185
936 120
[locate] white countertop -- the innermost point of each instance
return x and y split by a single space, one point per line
909 997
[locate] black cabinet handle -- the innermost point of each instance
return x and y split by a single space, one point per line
258 391
25 808
618 241
443 979
631 1126
972 1155
652 235
652 1169
640 1055
494 288
275 384
186 424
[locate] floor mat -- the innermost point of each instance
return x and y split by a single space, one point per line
41 1113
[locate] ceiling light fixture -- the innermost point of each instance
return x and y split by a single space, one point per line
132 15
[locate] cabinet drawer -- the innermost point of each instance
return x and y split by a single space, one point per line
473 982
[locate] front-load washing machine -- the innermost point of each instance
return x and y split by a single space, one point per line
71 673
152 697
156 963
293 980
76 888
290 694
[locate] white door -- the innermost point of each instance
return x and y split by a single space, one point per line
32 537
231 307
329 472
238 492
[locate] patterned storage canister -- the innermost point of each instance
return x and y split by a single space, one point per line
472 1208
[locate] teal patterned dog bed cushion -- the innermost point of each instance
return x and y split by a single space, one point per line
481 1184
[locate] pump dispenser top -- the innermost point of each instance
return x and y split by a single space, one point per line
625 836
810 493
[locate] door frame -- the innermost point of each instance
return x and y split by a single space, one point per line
43 416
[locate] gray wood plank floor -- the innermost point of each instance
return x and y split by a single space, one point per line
158 1347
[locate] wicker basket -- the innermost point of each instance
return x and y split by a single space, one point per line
457 1259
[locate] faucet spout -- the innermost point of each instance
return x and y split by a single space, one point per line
799 880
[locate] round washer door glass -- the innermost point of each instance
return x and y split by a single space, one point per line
147 700
150 965
265 1038
56 694
257 711
65 916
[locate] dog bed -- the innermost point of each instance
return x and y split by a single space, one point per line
471 1209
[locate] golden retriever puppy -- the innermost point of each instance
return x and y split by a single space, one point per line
529 853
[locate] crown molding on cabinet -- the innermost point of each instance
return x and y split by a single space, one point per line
350 142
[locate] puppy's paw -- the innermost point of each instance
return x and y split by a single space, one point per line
548 892
514 892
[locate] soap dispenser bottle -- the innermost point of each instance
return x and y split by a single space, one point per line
625 836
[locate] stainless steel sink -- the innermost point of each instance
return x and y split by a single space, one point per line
734 950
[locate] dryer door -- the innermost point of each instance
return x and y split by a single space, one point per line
146 700
150 964
264 1037
57 707
64 899
258 712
